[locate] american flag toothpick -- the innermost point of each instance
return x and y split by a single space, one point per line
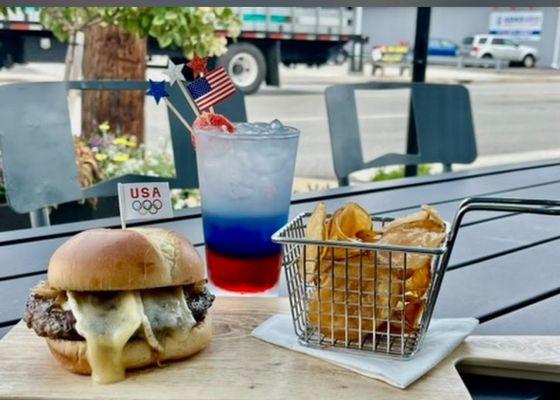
211 89
158 91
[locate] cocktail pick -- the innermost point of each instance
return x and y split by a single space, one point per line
198 65
175 74
158 91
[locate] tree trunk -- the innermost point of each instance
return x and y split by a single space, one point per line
111 53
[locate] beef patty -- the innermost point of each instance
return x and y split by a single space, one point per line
47 318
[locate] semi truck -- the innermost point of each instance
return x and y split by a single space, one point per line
270 36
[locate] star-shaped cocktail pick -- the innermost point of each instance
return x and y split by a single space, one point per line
157 90
198 65
174 72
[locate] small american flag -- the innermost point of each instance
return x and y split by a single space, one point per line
211 89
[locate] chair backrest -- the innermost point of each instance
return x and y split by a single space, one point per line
344 129
40 168
38 153
444 123
441 115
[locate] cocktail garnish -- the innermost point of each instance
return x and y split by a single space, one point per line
210 121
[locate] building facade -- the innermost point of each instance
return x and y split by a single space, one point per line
540 26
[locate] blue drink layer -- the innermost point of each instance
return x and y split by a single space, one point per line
242 237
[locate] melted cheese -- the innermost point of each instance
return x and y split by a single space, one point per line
107 321
167 309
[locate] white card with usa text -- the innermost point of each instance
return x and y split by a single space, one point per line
145 200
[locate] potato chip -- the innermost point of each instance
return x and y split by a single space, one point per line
314 230
337 304
352 219
344 224
368 236
337 307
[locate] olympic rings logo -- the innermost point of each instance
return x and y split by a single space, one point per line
144 207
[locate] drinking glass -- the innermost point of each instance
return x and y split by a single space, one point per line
246 182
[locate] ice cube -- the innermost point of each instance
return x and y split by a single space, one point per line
276 125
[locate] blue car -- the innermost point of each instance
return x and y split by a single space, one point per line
442 47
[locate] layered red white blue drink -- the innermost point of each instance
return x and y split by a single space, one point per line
246 182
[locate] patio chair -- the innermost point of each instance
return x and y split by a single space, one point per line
442 119
38 153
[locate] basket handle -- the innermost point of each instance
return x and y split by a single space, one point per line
519 206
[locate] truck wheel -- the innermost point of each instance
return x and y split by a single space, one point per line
246 66
528 61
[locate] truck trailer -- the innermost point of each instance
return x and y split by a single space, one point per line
270 36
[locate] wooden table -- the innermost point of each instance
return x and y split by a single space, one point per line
238 366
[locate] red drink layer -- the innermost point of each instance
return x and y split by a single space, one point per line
243 275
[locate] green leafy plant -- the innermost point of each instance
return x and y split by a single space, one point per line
385 175
192 29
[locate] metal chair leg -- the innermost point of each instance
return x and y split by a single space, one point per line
344 181
40 217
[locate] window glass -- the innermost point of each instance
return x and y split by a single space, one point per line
482 40
447 44
510 42
433 43
498 41
468 40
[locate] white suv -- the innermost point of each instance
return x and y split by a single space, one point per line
492 46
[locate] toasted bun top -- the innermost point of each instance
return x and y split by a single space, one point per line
116 259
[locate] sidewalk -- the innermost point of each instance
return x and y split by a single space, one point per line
333 74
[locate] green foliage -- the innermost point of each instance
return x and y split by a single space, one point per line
385 175
191 29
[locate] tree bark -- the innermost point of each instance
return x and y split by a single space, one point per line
111 53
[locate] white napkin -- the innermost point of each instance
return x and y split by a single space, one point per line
443 336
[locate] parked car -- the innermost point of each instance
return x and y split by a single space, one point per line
442 47
493 46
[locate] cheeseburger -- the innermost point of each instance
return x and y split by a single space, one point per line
122 299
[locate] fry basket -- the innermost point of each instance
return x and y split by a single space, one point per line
361 296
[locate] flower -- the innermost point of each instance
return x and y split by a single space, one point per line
121 141
121 157
104 127
100 157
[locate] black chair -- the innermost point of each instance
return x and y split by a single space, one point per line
443 123
38 149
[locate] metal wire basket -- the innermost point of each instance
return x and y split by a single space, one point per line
363 304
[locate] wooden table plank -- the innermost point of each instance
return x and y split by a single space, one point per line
542 318
485 287
236 365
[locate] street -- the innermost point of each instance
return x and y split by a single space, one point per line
516 112
514 121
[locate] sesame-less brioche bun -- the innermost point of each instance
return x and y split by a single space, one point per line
137 353
129 259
